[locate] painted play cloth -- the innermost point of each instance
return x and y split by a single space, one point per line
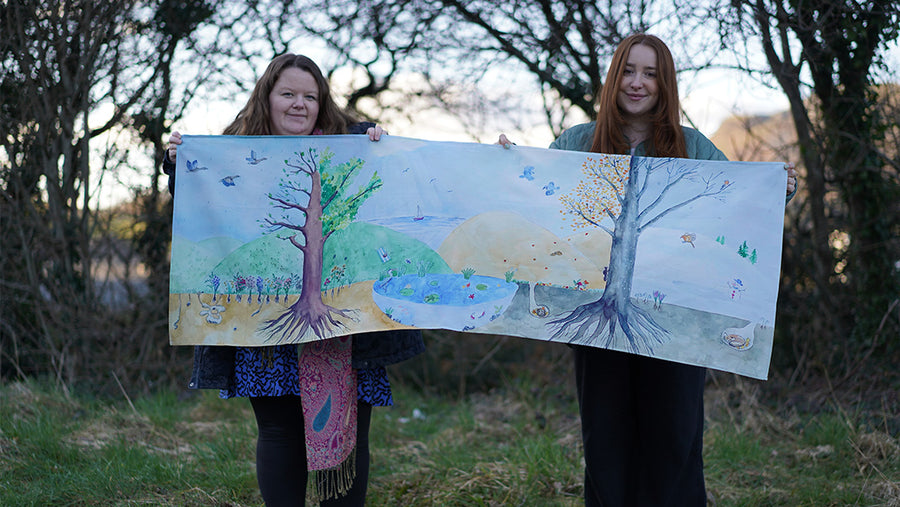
296 239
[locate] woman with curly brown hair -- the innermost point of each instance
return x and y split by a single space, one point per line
293 98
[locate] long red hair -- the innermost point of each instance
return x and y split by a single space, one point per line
667 139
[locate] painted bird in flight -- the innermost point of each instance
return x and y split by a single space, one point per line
192 166
253 159
228 181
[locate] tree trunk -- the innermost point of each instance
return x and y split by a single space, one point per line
309 311
315 244
597 322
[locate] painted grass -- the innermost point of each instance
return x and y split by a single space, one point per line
515 445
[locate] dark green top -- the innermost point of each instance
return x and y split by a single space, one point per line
579 137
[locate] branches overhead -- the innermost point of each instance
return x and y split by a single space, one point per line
563 46
69 73
824 56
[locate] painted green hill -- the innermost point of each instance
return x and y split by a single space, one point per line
269 256
368 252
222 244
351 255
197 260
195 263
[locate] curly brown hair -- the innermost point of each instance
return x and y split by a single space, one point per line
254 118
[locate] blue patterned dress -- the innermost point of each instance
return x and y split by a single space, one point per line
274 371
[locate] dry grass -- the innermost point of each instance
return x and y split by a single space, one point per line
517 443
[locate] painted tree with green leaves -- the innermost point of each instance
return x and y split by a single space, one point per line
312 203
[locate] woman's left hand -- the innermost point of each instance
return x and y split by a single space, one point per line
791 178
375 133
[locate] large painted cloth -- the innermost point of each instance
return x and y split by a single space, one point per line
293 239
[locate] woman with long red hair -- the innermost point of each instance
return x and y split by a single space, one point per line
641 417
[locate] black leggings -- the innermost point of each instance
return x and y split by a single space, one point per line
281 453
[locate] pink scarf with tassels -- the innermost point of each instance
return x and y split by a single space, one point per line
328 396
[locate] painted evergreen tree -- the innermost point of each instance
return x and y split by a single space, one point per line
623 196
313 205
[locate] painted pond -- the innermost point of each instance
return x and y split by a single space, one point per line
449 301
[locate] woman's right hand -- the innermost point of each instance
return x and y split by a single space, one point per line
172 150
504 141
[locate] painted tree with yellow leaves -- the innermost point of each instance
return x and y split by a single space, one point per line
598 195
623 196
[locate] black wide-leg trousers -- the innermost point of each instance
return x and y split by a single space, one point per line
642 428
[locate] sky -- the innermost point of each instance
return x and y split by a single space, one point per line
427 170
708 98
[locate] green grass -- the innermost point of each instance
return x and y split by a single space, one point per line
517 444
501 448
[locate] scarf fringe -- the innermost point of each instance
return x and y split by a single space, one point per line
334 482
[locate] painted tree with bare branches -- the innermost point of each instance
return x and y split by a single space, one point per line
617 196
312 205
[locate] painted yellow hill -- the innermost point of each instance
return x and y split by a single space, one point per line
594 243
497 242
